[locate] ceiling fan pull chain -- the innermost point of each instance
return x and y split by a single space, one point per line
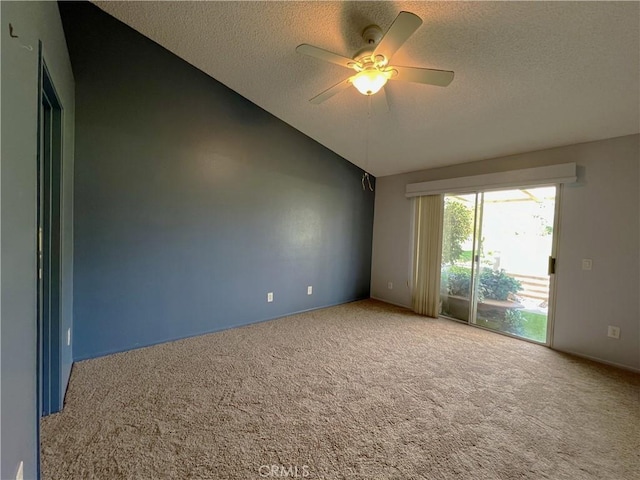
365 175
366 149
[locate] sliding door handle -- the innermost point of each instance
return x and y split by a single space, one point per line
552 266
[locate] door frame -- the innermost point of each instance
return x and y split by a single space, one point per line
477 231
49 243
551 311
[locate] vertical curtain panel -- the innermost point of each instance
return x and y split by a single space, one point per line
427 253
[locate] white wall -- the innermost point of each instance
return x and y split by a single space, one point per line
599 219
32 22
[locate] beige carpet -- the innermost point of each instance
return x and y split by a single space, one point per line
359 391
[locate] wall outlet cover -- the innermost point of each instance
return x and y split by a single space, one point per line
613 332
390 285
587 263
270 297
309 290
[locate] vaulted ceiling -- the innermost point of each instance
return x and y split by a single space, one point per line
528 75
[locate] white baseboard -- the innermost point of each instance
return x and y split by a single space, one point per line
391 303
599 360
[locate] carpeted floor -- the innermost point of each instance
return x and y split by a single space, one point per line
359 391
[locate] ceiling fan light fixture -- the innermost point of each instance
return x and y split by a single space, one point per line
372 64
370 81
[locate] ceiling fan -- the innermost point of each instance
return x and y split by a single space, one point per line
371 63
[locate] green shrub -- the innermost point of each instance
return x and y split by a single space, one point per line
458 282
495 285
444 281
514 322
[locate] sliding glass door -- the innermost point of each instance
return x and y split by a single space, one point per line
496 253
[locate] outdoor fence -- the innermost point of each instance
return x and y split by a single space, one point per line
536 288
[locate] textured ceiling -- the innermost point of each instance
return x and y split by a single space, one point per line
529 75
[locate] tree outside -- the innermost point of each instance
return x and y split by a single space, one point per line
458 227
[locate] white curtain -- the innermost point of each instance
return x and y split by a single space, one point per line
427 253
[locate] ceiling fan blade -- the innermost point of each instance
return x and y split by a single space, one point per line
325 55
330 92
379 102
439 78
401 29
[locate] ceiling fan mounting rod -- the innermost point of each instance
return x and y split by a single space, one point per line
372 35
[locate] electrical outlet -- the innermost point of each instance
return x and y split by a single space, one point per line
587 264
309 290
390 285
68 337
613 332
20 472
270 297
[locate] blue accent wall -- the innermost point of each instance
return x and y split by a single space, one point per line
191 203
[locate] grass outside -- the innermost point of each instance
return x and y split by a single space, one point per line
534 326
466 256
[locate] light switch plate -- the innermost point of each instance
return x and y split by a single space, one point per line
309 290
270 297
